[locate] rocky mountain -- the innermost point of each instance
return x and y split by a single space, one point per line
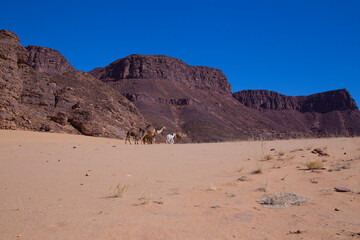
47 61
198 99
41 91
181 97
337 100
332 113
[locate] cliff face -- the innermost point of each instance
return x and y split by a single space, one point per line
47 61
337 100
165 68
40 91
263 99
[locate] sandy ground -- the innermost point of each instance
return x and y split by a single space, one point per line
181 191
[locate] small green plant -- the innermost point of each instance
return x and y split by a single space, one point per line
120 190
315 164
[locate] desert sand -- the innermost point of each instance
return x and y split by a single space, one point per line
58 186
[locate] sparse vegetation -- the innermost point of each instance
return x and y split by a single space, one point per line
120 190
315 164
281 153
281 199
145 199
268 157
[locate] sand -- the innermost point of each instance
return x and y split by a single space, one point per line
58 186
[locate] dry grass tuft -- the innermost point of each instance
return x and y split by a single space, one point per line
268 157
315 164
281 153
120 190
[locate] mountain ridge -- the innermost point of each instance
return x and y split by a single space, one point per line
41 91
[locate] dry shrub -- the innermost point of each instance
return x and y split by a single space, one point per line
268 157
120 190
315 164
281 153
281 199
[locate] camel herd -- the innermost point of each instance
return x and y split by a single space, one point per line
147 135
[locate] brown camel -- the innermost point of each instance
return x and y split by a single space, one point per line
137 133
150 132
179 135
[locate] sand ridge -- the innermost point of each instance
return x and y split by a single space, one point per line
184 191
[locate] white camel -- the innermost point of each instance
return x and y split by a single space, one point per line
170 138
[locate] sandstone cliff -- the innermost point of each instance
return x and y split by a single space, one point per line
165 68
41 91
320 102
48 61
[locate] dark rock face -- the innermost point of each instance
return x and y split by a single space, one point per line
48 61
332 113
321 102
56 97
328 101
263 99
165 68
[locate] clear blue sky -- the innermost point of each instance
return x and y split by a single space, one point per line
295 47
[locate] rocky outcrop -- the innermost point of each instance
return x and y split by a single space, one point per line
47 61
165 68
337 100
263 99
49 95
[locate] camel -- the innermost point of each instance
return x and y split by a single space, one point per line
150 132
179 135
136 133
170 138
